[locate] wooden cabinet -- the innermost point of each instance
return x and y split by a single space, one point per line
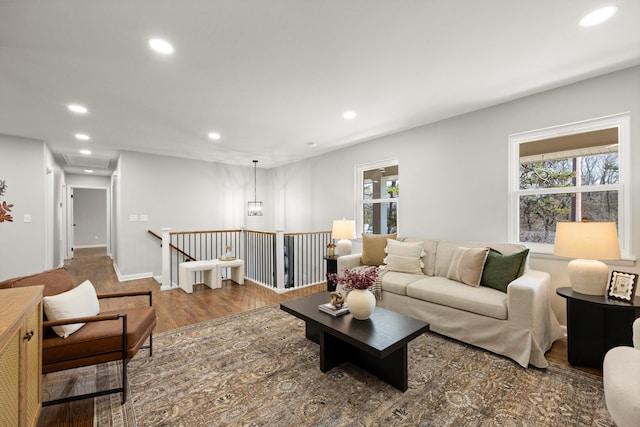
20 356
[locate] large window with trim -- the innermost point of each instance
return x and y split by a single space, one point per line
378 188
568 173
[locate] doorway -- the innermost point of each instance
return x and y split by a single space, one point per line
88 221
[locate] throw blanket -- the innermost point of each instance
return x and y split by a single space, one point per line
377 286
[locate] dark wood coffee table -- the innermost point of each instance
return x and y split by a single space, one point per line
378 345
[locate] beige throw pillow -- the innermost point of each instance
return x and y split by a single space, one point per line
467 265
373 248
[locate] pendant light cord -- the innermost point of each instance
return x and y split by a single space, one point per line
255 185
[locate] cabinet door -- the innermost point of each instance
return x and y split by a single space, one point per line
10 381
34 366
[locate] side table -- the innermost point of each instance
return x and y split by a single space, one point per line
332 267
595 324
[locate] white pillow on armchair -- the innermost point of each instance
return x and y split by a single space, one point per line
80 301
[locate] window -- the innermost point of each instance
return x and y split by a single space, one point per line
378 189
568 173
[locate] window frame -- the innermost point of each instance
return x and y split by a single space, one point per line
359 191
620 121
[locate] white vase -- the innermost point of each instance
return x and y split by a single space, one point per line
361 303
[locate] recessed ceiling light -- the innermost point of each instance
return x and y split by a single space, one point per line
598 16
348 115
77 108
161 46
82 136
214 135
85 152
312 144
88 170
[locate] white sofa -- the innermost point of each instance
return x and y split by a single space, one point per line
518 324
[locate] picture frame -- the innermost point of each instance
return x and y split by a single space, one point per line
622 285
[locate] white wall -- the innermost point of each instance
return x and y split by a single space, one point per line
22 244
184 195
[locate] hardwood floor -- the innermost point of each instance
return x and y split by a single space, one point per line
175 309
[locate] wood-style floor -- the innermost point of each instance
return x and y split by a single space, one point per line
176 308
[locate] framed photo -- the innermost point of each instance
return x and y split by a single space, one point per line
622 285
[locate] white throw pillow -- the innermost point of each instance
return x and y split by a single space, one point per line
404 264
404 257
408 249
467 265
80 301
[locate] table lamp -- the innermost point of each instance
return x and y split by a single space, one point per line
589 242
343 229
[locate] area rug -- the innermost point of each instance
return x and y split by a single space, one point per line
258 369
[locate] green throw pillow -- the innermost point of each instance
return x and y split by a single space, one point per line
500 270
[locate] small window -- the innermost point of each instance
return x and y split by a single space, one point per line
379 193
573 175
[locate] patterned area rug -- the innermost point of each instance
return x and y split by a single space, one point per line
258 369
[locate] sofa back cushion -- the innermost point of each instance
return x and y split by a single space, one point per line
429 257
55 281
445 250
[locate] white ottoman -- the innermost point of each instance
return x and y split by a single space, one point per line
187 269
621 377
237 271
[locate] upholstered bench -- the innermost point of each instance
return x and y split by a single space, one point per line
237 271
187 270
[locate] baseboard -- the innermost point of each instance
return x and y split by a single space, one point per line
89 246
126 278
158 279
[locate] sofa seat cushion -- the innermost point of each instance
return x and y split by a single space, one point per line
98 341
439 290
397 282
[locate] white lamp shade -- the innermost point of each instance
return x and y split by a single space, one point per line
343 230
587 240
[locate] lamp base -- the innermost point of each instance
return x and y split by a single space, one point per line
588 277
343 247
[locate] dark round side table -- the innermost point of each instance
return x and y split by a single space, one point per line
595 324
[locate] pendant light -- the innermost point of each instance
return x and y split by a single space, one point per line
255 207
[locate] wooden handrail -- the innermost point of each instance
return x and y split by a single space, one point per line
203 232
173 246
307 233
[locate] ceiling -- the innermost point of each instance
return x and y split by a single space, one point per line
273 77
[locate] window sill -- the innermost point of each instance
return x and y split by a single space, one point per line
625 261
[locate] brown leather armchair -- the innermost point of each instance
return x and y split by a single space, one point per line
110 336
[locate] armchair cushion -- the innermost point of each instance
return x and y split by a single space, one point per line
98 341
80 301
